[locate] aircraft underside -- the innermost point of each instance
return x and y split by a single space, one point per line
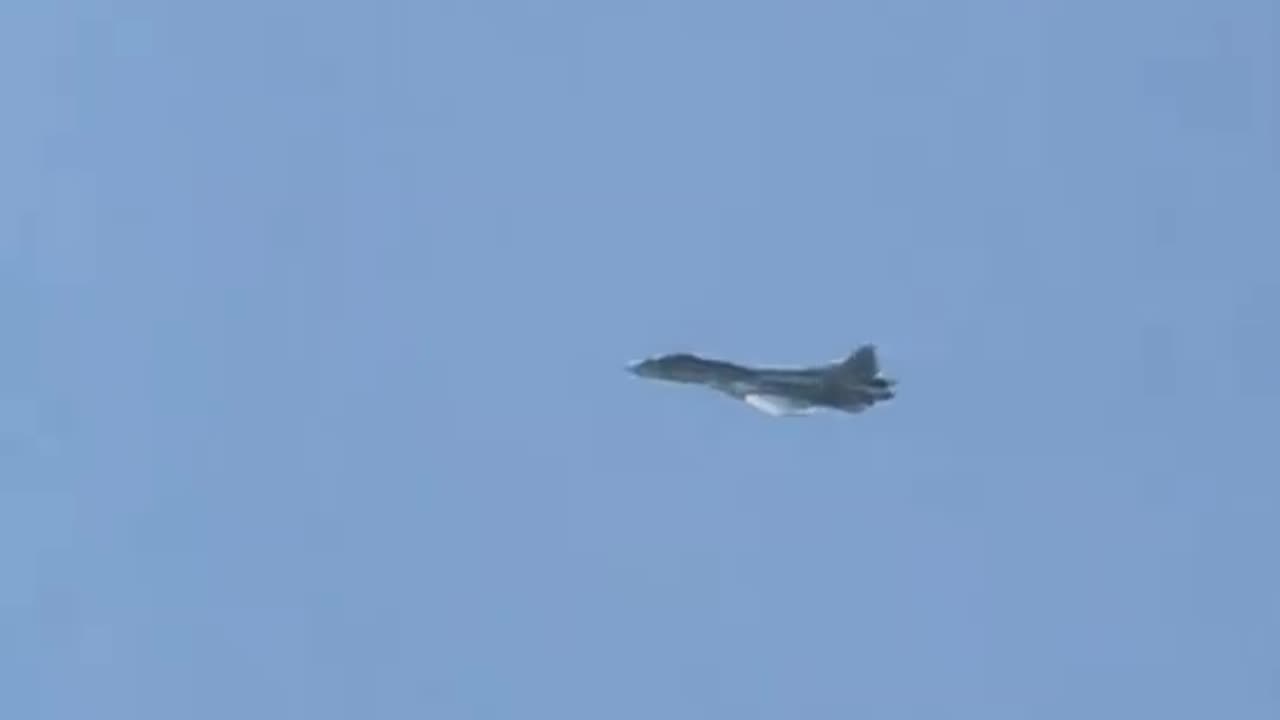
804 397
778 405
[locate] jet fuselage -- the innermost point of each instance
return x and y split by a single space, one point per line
852 385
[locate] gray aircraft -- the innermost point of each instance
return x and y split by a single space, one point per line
851 385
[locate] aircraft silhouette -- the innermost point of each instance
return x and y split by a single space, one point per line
850 385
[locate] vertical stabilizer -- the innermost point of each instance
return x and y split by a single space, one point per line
861 364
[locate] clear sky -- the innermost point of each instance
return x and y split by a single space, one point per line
317 313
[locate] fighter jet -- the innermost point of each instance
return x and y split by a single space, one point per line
851 385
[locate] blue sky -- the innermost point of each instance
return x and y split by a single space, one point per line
314 402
